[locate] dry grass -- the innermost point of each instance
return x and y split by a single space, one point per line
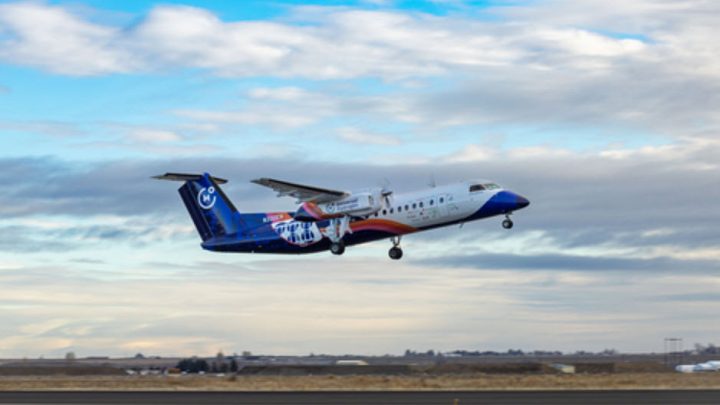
292 383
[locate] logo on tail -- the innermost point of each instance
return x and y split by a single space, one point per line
206 198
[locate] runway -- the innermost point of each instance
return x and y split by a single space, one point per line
634 397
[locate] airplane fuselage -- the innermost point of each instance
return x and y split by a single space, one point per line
401 214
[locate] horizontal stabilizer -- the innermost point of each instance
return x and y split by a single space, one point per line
186 177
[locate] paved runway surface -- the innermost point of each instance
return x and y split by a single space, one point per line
367 397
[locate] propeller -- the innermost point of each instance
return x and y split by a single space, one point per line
385 191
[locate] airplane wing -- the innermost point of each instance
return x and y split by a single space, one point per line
302 192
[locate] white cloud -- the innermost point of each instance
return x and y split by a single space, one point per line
357 136
280 107
263 116
278 93
147 135
680 34
535 66
54 39
472 153
336 43
647 65
255 305
583 43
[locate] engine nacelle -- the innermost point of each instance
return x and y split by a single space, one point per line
353 205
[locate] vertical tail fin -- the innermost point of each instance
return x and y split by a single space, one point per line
211 210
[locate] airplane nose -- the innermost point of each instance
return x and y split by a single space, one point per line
506 201
521 201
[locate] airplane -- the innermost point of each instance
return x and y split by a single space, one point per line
332 219
712 365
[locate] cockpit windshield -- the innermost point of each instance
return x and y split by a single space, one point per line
481 187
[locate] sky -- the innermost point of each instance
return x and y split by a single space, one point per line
604 114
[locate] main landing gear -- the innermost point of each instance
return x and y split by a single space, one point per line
337 248
395 252
507 223
335 231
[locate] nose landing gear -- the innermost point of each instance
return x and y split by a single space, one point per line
395 252
507 223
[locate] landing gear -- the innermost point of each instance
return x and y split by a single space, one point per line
395 252
337 228
507 223
337 248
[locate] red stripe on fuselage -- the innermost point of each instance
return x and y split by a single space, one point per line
383 225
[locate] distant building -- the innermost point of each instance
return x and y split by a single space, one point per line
351 363
564 368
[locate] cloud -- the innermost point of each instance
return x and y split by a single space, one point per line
286 108
56 309
259 116
618 248
473 153
19 239
632 204
574 263
278 93
43 127
589 264
357 136
52 38
534 66
330 44
145 135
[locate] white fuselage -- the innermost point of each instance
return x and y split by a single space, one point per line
435 206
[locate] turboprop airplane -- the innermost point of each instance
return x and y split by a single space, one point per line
331 219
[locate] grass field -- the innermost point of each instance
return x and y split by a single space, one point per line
290 383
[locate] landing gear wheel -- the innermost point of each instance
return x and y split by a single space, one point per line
337 248
507 223
395 253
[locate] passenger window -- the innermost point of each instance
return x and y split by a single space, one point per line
400 208
392 210
384 212
407 207
442 200
432 202
476 187
414 205
421 204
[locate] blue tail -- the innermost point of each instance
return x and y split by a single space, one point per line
210 209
